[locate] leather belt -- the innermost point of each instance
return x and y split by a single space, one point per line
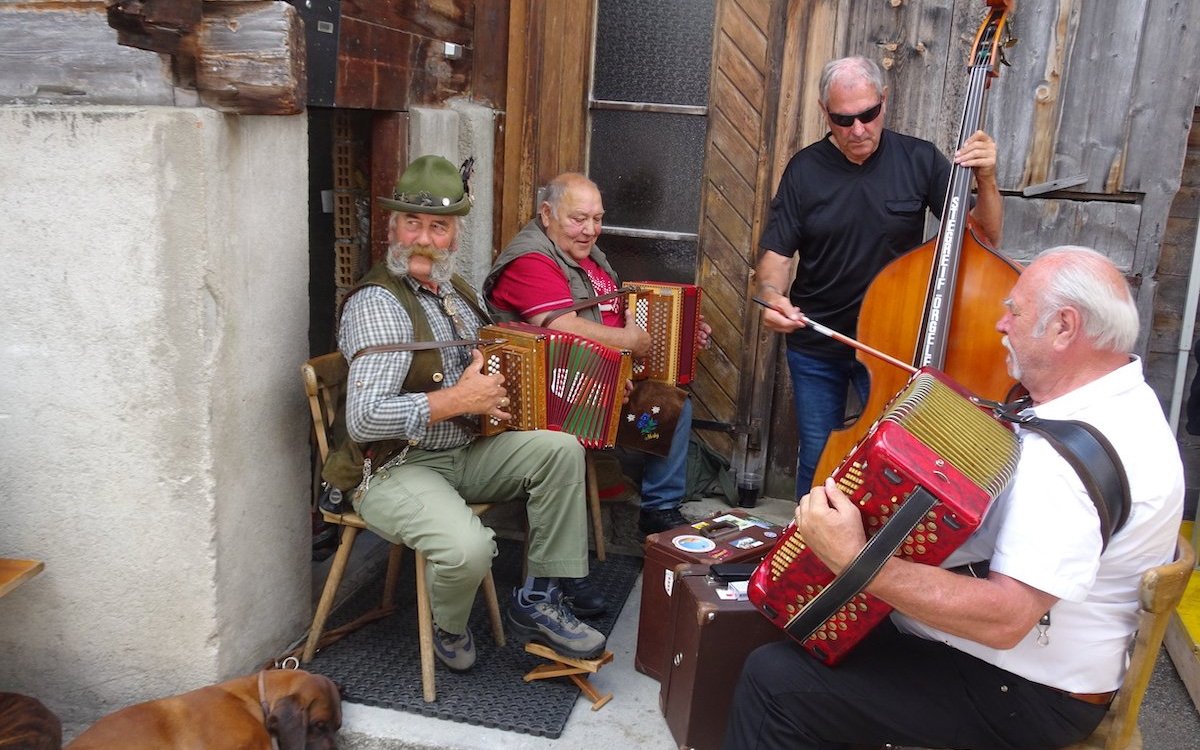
1098 699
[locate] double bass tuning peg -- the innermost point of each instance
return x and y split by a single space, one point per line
1010 37
1009 41
1003 58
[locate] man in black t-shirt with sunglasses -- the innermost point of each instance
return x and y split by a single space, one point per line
849 204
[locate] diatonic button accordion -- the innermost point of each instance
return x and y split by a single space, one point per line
932 443
556 380
670 313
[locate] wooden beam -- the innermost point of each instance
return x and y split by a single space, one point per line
241 57
490 38
156 25
250 58
517 120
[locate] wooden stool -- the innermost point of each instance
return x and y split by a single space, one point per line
576 669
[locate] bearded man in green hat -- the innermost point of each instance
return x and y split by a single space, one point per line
415 394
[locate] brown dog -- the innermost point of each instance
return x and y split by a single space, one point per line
25 724
297 709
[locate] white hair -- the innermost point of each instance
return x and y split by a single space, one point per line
1088 281
846 69
558 187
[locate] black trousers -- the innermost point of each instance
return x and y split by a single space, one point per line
899 689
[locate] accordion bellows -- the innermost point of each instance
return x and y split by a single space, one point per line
557 381
931 438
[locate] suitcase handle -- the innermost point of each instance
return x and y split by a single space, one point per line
731 572
715 530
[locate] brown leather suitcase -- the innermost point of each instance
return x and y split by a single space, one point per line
712 638
731 536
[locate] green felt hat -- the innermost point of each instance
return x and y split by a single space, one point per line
430 185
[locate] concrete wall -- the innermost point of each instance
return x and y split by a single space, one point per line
460 130
153 430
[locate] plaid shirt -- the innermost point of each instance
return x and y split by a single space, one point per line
377 408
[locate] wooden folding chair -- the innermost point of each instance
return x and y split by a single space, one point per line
1160 592
324 381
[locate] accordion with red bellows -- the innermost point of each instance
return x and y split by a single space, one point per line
923 478
670 313
556 380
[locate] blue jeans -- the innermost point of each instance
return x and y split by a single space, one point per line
664 478
819 387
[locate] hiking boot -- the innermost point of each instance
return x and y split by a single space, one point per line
655 520
583 596
551 622
457 652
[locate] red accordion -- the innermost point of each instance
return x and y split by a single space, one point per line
670 313
923 477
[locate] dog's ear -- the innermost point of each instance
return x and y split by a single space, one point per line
26 723
288 723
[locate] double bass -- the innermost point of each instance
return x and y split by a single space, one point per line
937 305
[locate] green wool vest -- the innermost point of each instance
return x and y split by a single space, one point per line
344 466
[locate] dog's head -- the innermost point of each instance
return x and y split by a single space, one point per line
303 711
25 724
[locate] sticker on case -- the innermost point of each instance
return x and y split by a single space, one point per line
747 542
694 544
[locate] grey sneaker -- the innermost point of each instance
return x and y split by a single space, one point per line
457 652
551 622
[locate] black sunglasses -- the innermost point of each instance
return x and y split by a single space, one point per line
867 115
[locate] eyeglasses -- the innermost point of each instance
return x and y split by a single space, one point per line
867 115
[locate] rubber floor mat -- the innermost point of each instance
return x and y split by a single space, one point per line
379 665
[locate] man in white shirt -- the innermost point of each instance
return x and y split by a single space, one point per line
969 662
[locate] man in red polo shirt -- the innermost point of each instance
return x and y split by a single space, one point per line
553 263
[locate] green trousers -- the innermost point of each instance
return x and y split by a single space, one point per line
422 504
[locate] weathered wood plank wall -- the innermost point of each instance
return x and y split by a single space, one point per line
1098 94
735 174
1170 303
550 49
391 55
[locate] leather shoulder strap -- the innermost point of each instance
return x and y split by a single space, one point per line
591 302
1092 457
417 346
865 566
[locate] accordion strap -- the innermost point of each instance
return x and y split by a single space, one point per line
1092 457
855 576
592 302
418 345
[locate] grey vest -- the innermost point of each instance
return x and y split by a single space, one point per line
532 239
